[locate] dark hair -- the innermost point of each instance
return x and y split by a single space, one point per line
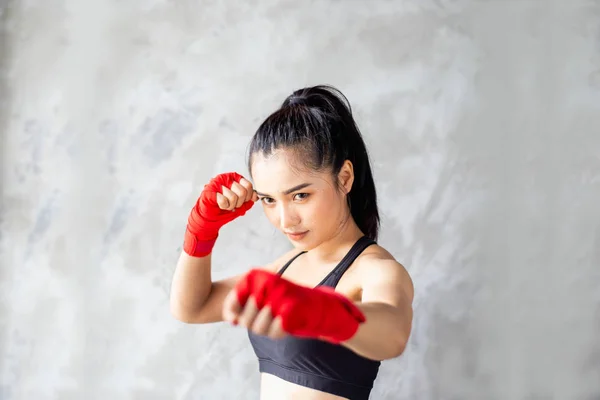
318 122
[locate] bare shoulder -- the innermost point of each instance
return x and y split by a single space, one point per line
279 262
377 267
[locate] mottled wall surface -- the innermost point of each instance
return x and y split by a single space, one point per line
483 121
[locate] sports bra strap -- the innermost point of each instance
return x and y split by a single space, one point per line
335 275
287 264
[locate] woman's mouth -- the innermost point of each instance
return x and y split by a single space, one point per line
296 236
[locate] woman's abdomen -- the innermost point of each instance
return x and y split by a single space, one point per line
274 388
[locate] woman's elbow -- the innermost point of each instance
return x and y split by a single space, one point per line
181 313
399 348
400 344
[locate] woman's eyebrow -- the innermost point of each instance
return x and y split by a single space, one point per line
291 190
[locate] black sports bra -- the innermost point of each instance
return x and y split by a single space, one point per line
315 363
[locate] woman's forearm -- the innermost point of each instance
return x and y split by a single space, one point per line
191 286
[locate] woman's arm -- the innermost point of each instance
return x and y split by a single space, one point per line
387 305
195 298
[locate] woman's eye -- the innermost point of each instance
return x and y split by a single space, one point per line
301 196
266 200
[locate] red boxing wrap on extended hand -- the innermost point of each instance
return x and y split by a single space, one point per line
318 313
206 218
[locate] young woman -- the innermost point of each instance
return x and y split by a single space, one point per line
321 317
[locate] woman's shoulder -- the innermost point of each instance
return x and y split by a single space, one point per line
276 265
376 265
376 254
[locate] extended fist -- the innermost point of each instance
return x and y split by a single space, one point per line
259 320
270 305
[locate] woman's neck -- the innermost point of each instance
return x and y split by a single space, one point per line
338 245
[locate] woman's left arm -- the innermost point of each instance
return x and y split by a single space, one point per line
387 296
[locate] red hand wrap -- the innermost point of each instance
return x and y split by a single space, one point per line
315 313
206 218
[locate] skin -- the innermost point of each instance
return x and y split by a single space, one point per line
379 285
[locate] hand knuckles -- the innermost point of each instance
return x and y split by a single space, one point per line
240 191
260 328
246 321
233 198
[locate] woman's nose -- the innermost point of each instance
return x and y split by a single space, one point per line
288 218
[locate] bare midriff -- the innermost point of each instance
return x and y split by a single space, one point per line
274 388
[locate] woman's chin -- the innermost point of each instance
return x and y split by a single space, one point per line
302 242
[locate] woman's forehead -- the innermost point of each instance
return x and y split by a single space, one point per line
280 162
277 173
280 171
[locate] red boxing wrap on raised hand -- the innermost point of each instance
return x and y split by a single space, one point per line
319 313
206 218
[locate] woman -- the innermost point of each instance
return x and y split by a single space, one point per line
322 316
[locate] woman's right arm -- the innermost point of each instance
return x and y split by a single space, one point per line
195 298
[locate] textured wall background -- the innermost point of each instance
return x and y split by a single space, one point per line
483 120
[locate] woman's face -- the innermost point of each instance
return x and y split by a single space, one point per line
305 205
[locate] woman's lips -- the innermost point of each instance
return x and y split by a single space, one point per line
296 236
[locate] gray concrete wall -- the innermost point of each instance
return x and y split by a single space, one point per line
483 120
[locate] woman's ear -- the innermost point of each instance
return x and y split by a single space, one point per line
346 176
